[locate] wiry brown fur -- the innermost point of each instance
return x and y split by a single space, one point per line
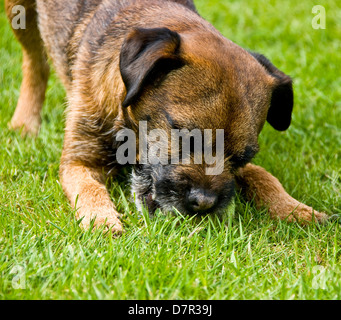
212 84
260 186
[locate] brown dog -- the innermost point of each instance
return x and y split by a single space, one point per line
158 61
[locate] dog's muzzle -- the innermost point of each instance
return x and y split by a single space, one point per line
155 187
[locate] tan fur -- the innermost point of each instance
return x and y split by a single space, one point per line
86 187
35 71
260 186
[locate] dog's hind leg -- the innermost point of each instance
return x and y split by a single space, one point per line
259 185
35 67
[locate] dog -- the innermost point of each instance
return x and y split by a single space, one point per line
156 61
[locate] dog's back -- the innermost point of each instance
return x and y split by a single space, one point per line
65 24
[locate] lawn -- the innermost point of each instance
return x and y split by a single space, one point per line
45 255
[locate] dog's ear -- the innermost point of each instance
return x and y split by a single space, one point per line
282 100
147 55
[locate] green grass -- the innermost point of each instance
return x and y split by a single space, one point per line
172 257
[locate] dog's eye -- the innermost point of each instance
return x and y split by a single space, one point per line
238 163
240 160
191 145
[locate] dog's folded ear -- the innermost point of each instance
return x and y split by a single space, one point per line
282 100
147 55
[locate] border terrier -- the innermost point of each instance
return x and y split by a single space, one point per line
158 61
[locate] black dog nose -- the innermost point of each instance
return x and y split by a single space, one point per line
200 200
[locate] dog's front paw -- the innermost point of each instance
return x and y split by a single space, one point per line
308 214
99 217
296 211
27 126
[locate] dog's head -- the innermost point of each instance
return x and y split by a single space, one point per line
201 82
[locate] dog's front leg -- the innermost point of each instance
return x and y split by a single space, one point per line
258 184
85 188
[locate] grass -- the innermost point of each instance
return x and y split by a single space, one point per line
174 257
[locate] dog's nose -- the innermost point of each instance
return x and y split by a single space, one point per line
200 200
